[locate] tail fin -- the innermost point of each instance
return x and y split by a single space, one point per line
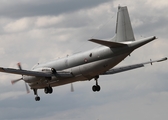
124 30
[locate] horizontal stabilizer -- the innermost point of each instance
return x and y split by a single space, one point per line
108 43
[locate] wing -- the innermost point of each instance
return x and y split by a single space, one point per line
35 73
130 67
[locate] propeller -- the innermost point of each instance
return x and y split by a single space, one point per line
19 65
72 88
27 88
17 80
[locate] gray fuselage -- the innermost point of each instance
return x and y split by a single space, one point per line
83 66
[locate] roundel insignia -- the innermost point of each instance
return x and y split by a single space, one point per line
85 60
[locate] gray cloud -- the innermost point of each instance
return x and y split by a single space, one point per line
40 8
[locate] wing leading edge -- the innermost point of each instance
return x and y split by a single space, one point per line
35 73
130 67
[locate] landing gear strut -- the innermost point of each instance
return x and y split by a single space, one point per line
46 90
37 98
96 87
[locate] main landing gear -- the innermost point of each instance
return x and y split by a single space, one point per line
96 87
46 90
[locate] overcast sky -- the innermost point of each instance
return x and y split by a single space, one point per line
33 31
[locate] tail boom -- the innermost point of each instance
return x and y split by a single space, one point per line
139 43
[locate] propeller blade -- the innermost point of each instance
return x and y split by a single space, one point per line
27 88
19 65
15 81
72 88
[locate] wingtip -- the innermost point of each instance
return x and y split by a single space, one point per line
163 59
154 37
90 39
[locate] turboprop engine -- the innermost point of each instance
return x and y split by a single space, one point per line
30 79
46 70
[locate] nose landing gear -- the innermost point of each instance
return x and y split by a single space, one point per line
37 98
46 90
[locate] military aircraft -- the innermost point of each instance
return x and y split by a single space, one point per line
86 65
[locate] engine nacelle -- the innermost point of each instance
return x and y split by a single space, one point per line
47 70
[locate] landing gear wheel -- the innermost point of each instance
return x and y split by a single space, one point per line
48 90
37 98
96 88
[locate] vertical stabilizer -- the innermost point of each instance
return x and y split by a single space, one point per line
124 30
